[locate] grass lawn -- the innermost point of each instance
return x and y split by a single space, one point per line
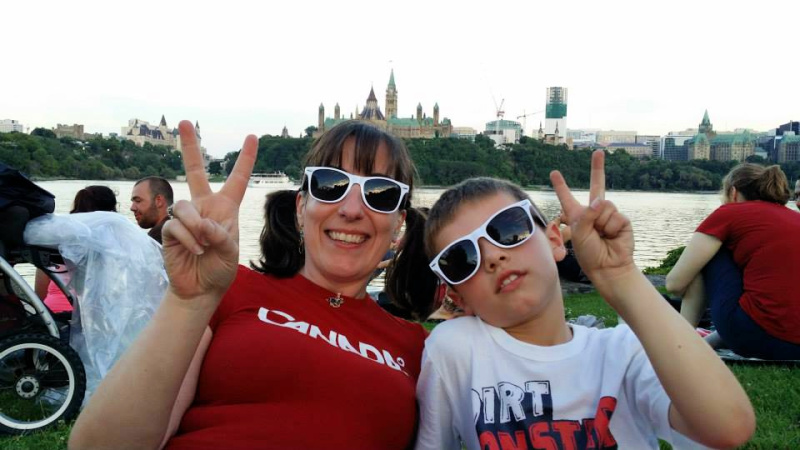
773 389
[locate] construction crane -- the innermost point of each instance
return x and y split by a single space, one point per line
525 116
500 114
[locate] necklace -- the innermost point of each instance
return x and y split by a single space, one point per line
337 301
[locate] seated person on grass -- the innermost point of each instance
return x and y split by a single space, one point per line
742 263
518 376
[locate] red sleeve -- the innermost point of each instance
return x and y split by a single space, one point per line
718 223
226 305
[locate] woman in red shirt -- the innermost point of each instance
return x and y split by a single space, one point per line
743 261
292 353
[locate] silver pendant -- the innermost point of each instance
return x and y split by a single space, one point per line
336 302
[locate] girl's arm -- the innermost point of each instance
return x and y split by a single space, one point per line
698 252
707 402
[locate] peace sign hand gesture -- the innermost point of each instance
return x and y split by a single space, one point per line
201 242
601 236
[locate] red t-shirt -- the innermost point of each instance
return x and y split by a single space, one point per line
764 238
287 370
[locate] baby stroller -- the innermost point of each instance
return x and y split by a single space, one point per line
42 378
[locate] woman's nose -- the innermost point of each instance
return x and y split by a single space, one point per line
351 206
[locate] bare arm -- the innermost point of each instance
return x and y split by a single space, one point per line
133 405
699 251
188 388
707 402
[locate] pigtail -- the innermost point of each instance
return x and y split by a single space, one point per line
281 252
773 185
410 283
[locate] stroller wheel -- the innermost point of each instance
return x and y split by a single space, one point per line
42 381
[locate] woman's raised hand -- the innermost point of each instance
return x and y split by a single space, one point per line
601 236
201 242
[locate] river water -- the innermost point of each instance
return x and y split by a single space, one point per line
661 221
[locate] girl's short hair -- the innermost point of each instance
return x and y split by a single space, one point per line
756 182
444 210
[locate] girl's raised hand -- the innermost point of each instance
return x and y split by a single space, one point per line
201 242
601 236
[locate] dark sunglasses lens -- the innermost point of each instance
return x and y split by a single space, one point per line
459 261
328 185
383 195
510 227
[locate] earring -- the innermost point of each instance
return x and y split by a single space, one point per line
300 248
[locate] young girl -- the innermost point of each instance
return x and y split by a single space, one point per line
518 376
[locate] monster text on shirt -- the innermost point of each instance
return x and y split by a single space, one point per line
340 341
511 417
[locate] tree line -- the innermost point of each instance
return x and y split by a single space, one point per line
439 162
446 161
42 155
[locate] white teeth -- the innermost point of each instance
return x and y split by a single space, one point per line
508 280
344 237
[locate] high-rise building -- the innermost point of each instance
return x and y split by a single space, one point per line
673 146
555 113
9 125
789 149
653 141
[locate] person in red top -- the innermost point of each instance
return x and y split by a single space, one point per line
743 259
289 354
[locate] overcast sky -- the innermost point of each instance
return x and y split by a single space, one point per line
242 67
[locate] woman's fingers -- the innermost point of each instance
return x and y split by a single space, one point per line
193 161
236 184
174 229
190 218
597 180
219 238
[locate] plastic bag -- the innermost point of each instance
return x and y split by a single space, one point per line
119 278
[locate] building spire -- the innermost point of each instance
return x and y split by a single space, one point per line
163 121
391 81
372 97
706 120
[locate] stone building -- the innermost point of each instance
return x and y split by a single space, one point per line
74 131
732 147
140 131
698 147
419 125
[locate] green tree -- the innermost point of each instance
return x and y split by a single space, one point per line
43 132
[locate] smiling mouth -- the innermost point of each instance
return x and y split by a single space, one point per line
346 237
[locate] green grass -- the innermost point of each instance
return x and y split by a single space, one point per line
773 389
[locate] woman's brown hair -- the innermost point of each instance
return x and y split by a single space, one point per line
756 182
